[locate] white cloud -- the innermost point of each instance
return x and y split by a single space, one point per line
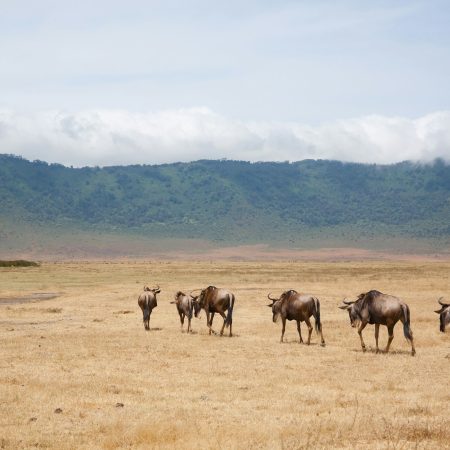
110 137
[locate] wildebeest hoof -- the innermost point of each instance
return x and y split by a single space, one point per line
58 411
322 344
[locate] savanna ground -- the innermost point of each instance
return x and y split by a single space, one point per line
79 371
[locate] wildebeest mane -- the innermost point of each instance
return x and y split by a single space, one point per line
364 300
207 294
367 297
287 294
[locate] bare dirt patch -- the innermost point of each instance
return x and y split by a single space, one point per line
34 297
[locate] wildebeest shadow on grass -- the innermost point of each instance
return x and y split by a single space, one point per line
292 342
156 329
217 334
382 352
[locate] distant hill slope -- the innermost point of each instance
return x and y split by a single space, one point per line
232 201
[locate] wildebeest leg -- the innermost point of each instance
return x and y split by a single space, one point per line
146 316
322 340
413 350
182 320
299 331
223 326
391 336
377 332
207 321
310 329
283 320
361 327
210 323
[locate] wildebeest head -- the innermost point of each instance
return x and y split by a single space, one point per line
276 307
445 308
178 297
353 313
201 299
155 290
196 302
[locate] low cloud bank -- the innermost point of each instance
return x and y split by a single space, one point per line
113 137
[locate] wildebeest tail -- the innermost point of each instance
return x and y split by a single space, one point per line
316 315
146 311
442 323
229 319
406 323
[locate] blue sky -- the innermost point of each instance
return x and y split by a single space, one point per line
93 82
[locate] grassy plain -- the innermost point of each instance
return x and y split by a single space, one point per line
86 353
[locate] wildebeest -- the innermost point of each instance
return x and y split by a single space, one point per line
185 306
215 300
380 309
444 315
147 301
299 307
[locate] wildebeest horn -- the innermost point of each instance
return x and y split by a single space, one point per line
443 304
347 302
271 298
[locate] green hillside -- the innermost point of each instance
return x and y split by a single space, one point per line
232 201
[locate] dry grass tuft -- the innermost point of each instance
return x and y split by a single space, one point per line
54 310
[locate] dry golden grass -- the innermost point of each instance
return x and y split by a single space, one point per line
87 353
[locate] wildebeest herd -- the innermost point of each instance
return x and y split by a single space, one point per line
372 307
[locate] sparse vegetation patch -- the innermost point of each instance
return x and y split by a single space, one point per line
18 263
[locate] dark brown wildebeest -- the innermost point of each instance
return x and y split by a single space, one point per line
185 306
380 309
444 315
299 307
214 300
147 301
